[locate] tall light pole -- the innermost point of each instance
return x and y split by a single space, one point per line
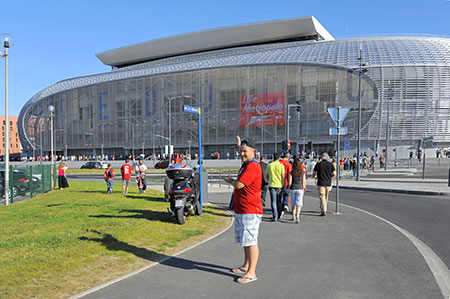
51 110
358 151
7 42
170 99
387 127
298 105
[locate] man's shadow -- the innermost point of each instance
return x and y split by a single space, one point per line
141 214
113 244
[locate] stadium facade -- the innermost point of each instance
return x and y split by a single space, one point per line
243 78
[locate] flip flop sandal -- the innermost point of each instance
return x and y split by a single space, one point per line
245 279
239 270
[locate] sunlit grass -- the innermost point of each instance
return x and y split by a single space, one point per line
63 242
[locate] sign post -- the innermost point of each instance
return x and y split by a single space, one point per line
338 115
197 110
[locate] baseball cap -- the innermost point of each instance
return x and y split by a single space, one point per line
248 142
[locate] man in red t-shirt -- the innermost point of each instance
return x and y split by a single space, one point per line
109 178
126 171
248 209
287 170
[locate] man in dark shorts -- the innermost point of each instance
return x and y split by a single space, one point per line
324 172
248 210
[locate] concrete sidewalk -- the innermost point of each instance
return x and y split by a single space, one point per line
396 185
351 255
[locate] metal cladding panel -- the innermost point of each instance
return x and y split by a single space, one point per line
225 37
415 68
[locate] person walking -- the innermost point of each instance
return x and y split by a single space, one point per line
109 178
248 210
126 171
276 175
265 181
140 171
297 187
324 172
62 180
287 170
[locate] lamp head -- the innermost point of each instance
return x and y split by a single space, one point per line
51 108
6 40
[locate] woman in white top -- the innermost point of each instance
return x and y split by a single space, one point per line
297 186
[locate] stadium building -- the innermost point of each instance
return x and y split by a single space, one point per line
244 78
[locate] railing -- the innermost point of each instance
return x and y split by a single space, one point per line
27 181
217 176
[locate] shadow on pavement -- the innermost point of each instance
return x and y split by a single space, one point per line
113 244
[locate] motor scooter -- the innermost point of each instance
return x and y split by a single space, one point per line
184 193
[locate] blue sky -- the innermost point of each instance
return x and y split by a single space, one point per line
57 40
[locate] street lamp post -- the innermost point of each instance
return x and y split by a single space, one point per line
51 110
7 42
387 127
298 105
170 118
189 152
358 151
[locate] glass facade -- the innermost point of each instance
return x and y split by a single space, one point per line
246 92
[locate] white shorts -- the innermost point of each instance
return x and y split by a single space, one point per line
296 196
246 229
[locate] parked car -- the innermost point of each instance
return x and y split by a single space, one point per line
91 165
162 164
21 182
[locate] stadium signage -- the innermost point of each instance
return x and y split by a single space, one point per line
266 109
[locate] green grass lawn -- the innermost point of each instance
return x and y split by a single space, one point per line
116 171
67 241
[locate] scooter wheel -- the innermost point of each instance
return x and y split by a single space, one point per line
179 215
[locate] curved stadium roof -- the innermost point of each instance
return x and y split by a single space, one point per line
385 51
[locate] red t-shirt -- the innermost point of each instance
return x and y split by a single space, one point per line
109 175
126 170
247 200
287 170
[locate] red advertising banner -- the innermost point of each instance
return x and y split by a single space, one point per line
267 109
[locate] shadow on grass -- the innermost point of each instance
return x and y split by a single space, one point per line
54 205
223 214
149 198
141 214
113 244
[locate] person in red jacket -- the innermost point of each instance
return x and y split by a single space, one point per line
287 170
248 210
126 171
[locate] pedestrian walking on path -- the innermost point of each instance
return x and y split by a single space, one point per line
287 170
276 173
324 172
297 187
265 180
248 210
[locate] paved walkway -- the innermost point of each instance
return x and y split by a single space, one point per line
399 185
351 255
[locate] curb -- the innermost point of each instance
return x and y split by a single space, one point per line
108 283
417 192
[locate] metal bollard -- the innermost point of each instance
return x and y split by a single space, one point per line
220 177
449 176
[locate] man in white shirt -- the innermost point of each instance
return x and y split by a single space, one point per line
140 171
312 164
